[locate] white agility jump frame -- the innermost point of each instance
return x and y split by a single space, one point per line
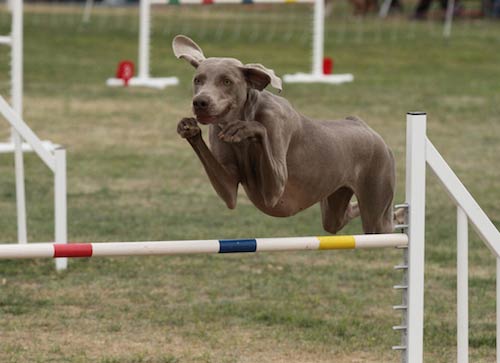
316 76
52 155
420 152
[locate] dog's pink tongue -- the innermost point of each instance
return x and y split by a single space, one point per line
206 119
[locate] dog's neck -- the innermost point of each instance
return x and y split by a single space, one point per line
248 110
250 106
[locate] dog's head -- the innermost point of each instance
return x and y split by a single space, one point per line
221 85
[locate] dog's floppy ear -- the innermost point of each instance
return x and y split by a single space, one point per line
187 49
259 77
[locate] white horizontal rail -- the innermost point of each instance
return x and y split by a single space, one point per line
230 2
462 198
109 249
152 82
9 147
26 133
5 39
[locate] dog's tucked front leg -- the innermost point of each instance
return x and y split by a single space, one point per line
271 173
224 183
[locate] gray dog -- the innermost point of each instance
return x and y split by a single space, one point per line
285 161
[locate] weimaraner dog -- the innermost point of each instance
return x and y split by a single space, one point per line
285 161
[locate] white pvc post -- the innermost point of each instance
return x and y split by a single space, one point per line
87 11
22 229
462 287
415 198
384 8
448 21
144 34
17 105
60 210
318 37
17 57
498 309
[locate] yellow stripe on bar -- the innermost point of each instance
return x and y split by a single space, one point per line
337 242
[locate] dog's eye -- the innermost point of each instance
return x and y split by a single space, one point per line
197 81
227 82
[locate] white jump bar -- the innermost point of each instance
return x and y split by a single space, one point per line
110 249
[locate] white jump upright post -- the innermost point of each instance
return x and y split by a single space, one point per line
498 309
60 203
448 20
87 11
415 198
384 8
317 75
462 287
17 103
144 38
144 78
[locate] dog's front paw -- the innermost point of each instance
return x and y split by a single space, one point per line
188 128
237 131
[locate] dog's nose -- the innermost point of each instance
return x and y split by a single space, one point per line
201 103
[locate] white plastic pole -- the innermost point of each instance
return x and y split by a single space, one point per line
144 34
415 198
60 210
151 248
239 2
5 40
87 11
450 9
22 230
462 288
319 35
498 309
384 8
17 57
17 104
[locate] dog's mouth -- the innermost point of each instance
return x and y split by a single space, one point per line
206 118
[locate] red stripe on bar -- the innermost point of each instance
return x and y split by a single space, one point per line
73 250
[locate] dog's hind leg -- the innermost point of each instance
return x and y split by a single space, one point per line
337 210
375 204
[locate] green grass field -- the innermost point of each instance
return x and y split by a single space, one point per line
130 177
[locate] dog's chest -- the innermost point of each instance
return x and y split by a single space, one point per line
248 157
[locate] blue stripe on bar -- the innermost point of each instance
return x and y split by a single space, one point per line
237 245
247 1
